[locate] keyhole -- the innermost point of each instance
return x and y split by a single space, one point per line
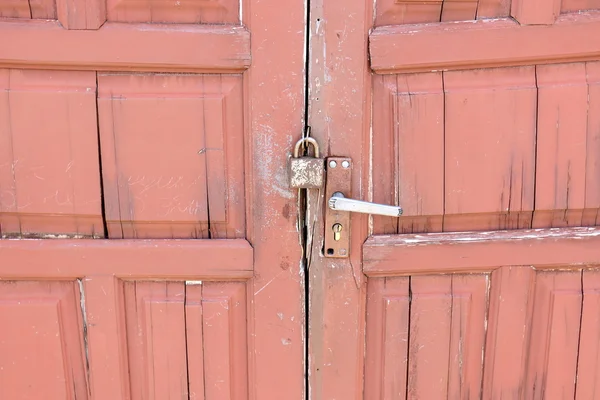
337 231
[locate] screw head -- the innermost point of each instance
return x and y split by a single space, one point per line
342 252
332 164
345 164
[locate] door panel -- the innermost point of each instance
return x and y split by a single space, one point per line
512 327
49 152
160 126
509 113
42 337
170 163
461 118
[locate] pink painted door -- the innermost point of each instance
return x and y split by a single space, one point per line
482 120
149 245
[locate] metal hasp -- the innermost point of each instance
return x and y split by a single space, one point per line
337 223
338 190
340 203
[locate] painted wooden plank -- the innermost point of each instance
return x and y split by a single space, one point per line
274 102
459 10
429 339
482 44
588 367
385 149
493 9
49 166
156 343
591 214
388 315
467 335
489 138
184 12
81 14
126 47
554 344
447 332
190 175
480 251
42 9
32 9
562 146
409 121
507 340
194 340
42 337
394 12
106 341
419 129
129 259
224 338
535 12
15 9
568 6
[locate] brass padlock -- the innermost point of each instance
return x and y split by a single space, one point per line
307 172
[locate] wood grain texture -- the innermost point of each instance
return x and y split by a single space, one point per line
42 337
408 121
459 10
81 14
447 329
49 169
508 332
480 251
224 340
206 316
562 146
535 12
189 180
482 44
591 213
106 341
579 5
588 367
489 136
396 12
425 336
182 12
386 357
126 47
28 9
274 106
156 342
554 346
128 259
493 9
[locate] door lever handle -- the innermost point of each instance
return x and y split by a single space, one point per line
338 202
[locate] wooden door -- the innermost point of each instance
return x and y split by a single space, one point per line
149 244
481 119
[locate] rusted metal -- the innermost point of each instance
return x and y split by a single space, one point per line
306 172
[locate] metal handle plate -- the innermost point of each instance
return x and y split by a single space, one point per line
340 203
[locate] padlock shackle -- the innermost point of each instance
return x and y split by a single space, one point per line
308 140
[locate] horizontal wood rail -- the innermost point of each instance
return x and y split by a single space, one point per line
125 47
480 251
483 44
126 259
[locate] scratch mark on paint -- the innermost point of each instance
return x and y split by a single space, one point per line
268 283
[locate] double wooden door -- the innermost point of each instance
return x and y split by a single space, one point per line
152 248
